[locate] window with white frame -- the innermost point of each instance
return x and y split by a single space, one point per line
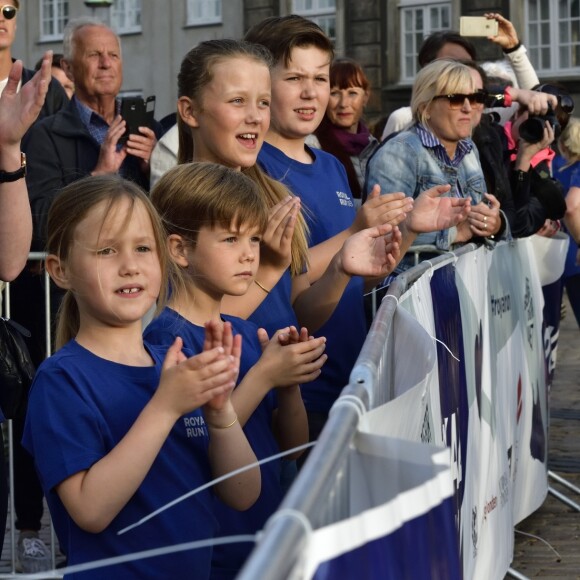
126 16
53 19
323 12
204 12
419 20
553 41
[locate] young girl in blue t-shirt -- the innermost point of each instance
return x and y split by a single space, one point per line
119 428
224 98
215 218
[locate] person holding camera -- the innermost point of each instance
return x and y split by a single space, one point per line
506 166
538 198
450 44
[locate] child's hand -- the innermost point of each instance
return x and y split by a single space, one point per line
290 364
292 336
221 335
189 383
389 208
276 242
373 252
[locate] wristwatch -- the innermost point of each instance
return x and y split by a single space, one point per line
8 176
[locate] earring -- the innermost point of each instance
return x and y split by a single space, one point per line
428 117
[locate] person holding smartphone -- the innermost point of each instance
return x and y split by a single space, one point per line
84 138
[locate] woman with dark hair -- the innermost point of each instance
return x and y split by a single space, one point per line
343 131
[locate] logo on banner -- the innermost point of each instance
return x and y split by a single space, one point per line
551 335
504 488
426 427
474 529
529 310
489 507
500 305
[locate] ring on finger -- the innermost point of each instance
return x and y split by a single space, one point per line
484 219
485 226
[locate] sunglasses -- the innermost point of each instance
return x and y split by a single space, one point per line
457 100
8 11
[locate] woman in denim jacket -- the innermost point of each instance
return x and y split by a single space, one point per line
437 150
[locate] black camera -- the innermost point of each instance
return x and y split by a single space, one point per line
532 129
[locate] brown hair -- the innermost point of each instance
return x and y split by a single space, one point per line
193 195
71 206
281 34
346 73
195 74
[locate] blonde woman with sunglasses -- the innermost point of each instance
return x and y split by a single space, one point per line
447 101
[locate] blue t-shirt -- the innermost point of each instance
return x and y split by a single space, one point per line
80 407
229 558
329 209
568 177
275 311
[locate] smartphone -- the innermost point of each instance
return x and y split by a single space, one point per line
478 26
137 112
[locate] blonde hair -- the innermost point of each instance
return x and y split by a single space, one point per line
71 206
441 77
273 191
195 195
195 74
570 141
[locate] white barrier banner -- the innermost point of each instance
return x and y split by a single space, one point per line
483 395
400 522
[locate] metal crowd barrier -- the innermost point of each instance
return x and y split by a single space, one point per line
34 257
319 494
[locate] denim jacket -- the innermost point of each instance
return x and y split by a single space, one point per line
403 164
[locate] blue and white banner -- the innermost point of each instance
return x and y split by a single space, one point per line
401 499
440 474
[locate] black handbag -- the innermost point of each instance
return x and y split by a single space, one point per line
16 369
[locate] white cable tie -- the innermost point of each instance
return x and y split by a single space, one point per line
293 514
214 482
391 296
446 347
455 256
430 269
350 401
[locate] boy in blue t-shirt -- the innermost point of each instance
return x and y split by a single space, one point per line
300 93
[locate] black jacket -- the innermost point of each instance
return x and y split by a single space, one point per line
60 150
56 97
527 198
